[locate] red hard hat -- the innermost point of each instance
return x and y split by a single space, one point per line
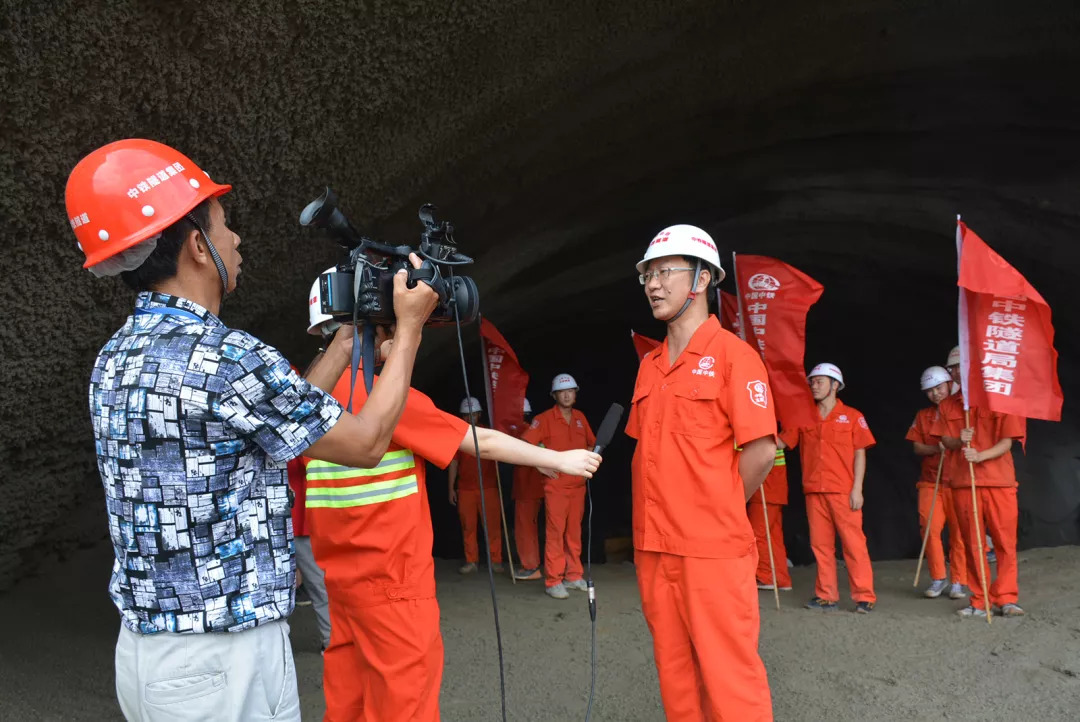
127 191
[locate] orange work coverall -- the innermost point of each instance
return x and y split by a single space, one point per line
564 496
694 547
995 490
828 466
776 498
371 533
468 505
528 494
944 507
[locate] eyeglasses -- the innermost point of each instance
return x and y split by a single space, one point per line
662 273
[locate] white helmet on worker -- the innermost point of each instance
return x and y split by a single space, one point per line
934 376
527 407
319 323
954 357
686 241
469 405
828 370
562 382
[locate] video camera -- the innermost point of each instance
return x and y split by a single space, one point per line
363 287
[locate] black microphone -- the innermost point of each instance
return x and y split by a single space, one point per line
608 428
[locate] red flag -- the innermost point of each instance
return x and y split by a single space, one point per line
729 312
775 300
1007 358
643 344
505 382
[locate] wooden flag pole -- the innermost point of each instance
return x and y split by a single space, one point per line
978 531
498 478
768 541
929 520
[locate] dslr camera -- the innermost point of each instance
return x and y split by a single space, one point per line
363 286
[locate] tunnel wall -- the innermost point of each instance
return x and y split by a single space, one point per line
841 138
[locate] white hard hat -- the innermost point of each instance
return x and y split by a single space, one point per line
934 376
954 357
527 407
829 370
686 241
469 405
562 382
317 320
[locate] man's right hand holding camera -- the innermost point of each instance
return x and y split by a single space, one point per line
361 440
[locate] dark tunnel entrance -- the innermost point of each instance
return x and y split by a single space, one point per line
842 142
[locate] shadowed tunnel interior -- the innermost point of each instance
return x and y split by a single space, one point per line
842 139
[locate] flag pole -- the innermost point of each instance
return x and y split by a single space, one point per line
764 505
962 336
498 478
978 531
930 519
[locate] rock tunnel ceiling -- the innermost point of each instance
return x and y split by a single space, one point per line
842 139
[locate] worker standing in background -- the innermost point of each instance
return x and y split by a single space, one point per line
464 488
561 428
528 495
697 395
771 513
984 447
833 458
936 382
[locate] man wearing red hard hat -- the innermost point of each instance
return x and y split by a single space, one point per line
194 424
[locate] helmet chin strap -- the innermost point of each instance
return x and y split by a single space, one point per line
213 254
690 298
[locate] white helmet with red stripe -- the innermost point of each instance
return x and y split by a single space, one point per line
934 376
688 242
831 371
562 382
954 357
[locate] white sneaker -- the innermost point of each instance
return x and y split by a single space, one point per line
970 611
467 568
578 584
769 588
937 586
557 592
956 591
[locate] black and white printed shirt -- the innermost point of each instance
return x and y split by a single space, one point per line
193 425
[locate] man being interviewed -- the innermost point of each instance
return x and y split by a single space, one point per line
698 395
834 463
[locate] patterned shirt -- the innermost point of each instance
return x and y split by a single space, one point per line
194 423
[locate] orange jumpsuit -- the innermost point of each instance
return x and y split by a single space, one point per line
564 497
528 494
371 533
468 505
694 547
944 508
776 493
828 466
995 486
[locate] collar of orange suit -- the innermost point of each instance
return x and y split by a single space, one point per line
698 343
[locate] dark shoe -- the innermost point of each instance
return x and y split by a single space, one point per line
525 575
864 607
822 604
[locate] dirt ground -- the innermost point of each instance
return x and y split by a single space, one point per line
912 659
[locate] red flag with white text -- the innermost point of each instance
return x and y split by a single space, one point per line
506 382
775 300
642 344
1008 362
